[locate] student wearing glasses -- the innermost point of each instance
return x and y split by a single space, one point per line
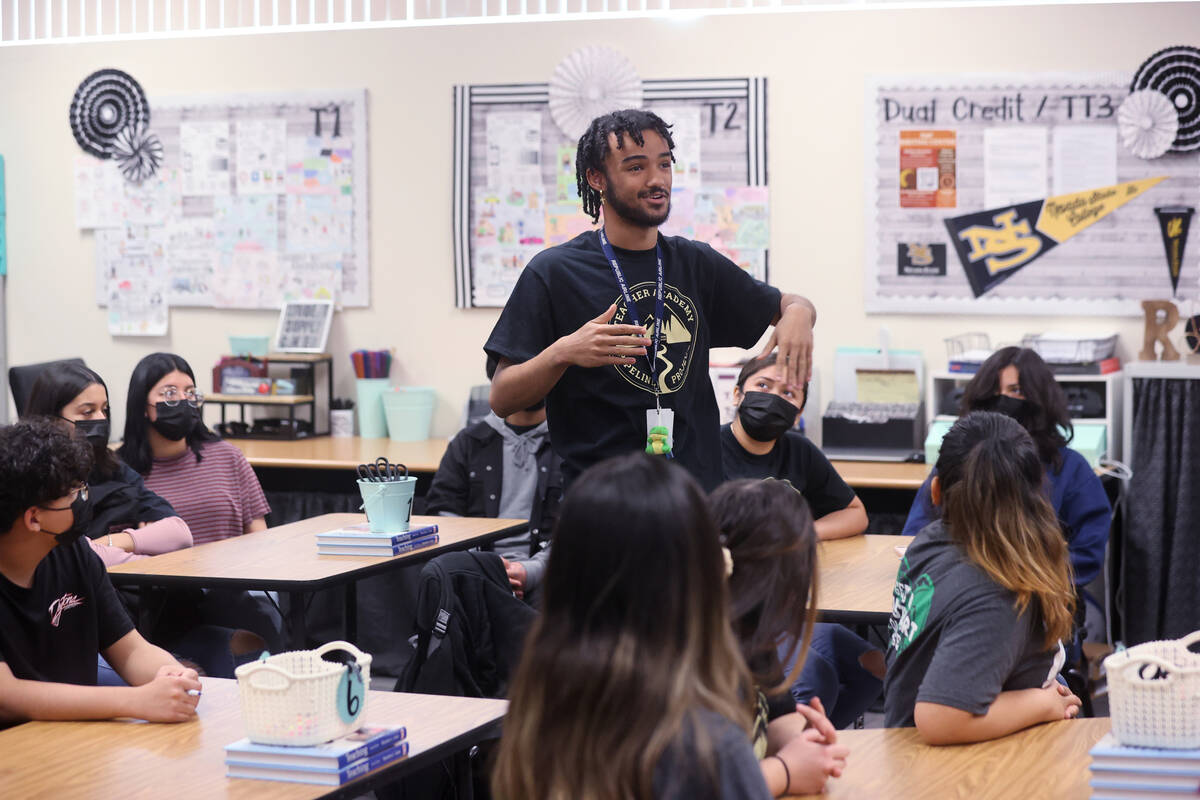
58 610
207 481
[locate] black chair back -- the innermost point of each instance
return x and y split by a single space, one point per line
21 379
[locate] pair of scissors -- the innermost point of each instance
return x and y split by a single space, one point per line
382 471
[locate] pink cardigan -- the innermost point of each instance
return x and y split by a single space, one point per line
162 536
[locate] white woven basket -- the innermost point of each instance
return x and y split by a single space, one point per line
1154 694
292 698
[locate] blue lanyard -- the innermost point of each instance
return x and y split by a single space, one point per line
655 340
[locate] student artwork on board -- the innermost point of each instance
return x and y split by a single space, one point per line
719 178
261 198
980 181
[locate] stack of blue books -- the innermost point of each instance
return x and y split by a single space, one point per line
329 764
358 540
1120 772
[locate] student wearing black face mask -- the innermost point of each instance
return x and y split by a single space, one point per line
127 519
760 443
58 610
1016 382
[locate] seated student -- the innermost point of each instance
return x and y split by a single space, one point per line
631 684
760 443
1016 381
207 481
768 530
843 669
58 610
983 595
504 468
128 520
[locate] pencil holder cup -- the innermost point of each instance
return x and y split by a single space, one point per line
302 697
409 411
388 503
341 423
372 424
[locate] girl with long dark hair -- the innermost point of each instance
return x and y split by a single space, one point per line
983 595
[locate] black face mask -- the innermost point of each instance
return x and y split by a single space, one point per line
765 416
94 430
82 512
176 422
1019 409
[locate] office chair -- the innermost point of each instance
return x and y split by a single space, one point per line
21 380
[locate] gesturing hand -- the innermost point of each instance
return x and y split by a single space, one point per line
599 344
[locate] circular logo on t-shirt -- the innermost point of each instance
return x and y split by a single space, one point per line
677 342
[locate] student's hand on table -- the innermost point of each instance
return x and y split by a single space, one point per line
1061 703
793 336
811 762
599 344
516 576
814 715
168 697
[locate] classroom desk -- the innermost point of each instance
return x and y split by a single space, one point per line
327 452
856 578
1048 760
128 759
882 474
285 559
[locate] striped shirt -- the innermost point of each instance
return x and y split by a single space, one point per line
217 497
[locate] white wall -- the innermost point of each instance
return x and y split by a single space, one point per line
816 63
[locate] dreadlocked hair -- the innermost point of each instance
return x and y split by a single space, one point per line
593 147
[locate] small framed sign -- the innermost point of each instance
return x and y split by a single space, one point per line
303 326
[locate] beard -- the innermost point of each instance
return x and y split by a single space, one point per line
636 214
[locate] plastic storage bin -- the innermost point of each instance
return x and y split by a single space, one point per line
297 698
372 424
255 346
409 411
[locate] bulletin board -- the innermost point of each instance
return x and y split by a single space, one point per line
514 177
1017 194
261 199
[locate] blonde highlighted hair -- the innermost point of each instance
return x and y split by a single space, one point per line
994 505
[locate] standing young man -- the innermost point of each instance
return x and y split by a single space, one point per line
614 327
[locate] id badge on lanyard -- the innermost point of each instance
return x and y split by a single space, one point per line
660 422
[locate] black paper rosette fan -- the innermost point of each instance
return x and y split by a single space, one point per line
1175 73
108 102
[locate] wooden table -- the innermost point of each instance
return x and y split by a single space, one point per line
882 474
856 578
327 452
1048 761
285 559
102 760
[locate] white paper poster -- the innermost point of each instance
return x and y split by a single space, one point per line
260 150
319 165
99 193
247 279
247 223
133 268
685 132
1085 157
192 260
154 200
514 148
311 278
1014 165
319 224
204 153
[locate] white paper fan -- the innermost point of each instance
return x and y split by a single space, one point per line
589 82
1148 122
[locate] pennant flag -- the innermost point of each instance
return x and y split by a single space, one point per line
1174 221
994 245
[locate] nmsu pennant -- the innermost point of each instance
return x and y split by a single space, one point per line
994 245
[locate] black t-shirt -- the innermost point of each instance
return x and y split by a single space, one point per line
794 458
122 502
595 413
53 630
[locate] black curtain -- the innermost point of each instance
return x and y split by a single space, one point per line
1161 575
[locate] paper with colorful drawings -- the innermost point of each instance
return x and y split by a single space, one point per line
319 165
260 147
